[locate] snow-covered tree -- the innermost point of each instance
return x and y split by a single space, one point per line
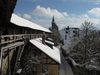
87 49
55 36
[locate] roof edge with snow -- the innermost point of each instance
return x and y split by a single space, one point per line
52 53
19 21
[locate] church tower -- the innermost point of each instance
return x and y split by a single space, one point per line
54 26
55 32
53 19
53 22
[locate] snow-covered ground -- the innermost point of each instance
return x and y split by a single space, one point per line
65 68
67 35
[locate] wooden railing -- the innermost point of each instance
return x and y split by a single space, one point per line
13 38
8 42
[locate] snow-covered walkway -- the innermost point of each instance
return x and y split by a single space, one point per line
65 68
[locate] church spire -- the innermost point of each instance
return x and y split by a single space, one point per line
53 19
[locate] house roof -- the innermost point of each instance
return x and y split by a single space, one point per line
7 7
53 53
10 8
26 23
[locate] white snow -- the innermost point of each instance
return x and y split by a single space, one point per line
90 67
74 63
67 35
40 39
19 71
93 65
65 68
26 23
66 48
47 50
56 49
49 42
50 39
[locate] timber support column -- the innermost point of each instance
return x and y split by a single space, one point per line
0 52
9 71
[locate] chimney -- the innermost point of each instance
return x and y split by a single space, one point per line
43 38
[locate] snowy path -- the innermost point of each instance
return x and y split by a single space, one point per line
65 68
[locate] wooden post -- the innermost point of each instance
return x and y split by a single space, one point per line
1 51
16 59
1 60
46 59
43 38
31 34
25 33
14 36
21 51
8 11
9 72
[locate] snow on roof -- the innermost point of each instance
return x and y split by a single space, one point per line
50 39
49 42
47 50
56 49
19 71
26 23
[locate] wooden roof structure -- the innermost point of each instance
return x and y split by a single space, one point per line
7 8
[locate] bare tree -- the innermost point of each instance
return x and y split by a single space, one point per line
87 49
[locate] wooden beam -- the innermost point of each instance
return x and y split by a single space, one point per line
11 46
2 4
50 63
8 10
1 60
21 51
17 59
11 41
3 12
46 59
9 71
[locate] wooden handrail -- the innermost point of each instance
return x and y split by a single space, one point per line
14 41
17 37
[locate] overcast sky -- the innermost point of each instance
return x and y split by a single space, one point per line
70 13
